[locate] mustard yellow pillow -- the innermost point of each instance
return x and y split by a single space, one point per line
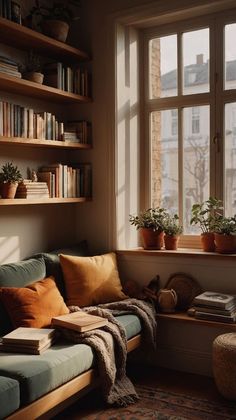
33 305
91 280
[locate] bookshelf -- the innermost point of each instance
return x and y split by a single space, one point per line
24 39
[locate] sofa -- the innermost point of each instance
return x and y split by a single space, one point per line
33 386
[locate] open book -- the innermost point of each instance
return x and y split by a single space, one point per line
79 321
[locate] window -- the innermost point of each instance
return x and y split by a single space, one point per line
191 115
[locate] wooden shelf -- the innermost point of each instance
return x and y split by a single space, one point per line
13 141
184 317
26 202
19 36
27 88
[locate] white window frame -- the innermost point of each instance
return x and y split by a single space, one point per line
216 23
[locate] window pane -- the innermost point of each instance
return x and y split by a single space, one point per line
230 56
230 159
164 146
195 161
163 67
196 62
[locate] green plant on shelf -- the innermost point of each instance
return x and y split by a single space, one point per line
10 173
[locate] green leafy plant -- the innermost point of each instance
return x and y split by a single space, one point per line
10 173
206 214
33 62
152 218
58 10
225 225
172 226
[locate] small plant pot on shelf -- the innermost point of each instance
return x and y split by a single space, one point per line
208 242
56 29
152 239
225 244
34 76
8 189
171 242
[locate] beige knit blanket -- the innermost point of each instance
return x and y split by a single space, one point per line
110 345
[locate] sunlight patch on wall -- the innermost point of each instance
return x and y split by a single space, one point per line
9 249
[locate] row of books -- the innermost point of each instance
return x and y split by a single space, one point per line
10 10
74 80
67 181
19 121
213 306
37 340
9 67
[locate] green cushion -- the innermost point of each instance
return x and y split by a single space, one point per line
9 396
38 375
18 274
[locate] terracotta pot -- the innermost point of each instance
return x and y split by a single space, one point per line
56 29
151 239
225 244
208 242
171 242
8 189
34 76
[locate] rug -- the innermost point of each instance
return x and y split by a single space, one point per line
159 404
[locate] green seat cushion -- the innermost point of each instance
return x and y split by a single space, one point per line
38 375
9 396
18 274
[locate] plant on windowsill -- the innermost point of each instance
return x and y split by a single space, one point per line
10 176
172 230
53 20
206 215
225 235
150 222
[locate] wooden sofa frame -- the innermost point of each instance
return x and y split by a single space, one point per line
57 400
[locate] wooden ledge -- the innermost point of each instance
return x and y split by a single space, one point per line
184 317
181 252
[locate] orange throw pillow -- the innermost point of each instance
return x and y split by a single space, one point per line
33 305
91 280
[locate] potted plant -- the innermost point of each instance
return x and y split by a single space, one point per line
54 19
10 176
205 215
172 230
225 231
150 222
32 70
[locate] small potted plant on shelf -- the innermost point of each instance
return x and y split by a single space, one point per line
150 222
172 230
32 69
225 235
10 176
205 215
53 19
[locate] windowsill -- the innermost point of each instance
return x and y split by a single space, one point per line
184 317
180 252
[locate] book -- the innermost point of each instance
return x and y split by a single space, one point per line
211 309
215 299
23 348
79 321
28 336
216 317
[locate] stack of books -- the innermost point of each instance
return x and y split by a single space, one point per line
28 340
30 189
214 306
9 67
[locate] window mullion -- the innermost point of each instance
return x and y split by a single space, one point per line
180 126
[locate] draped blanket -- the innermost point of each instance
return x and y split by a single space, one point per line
110 345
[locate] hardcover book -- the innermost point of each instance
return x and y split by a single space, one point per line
218 300
220 311
24 348
29 336
215 317
79 321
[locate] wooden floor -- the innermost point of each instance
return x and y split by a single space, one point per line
188 384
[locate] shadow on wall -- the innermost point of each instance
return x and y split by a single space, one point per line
9 249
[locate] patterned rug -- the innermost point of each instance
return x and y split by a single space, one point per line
157 404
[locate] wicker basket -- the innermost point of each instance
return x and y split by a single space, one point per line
224 364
